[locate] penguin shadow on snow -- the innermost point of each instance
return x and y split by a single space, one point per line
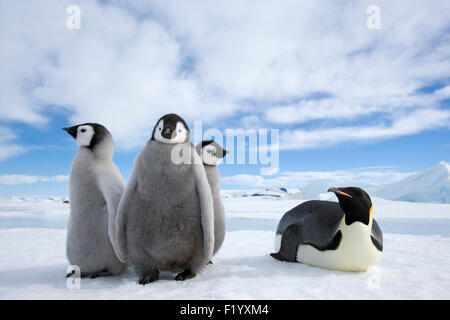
55 275
260 266
25 277
129 277
246 267
266 266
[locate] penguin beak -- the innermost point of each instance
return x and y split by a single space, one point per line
225 152
337 191
167 133
72 131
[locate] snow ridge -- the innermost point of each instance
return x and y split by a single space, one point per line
430 185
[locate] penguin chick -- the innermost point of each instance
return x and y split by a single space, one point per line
96 186
338 236
212 155
165 219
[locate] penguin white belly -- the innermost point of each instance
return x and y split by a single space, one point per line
278 242
356 252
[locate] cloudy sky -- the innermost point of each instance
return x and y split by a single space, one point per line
372 104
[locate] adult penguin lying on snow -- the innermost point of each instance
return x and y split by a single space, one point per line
339 236
165 219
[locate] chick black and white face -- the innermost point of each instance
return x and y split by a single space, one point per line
88 135
171 129
212 153
209 156
85 133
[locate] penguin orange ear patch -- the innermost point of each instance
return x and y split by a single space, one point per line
339 192
344 194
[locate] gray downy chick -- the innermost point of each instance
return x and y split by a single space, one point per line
165 219
96 186
212 155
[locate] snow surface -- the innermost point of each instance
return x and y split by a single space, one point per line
264 207
265 193
33 266
414 264
33 207
382 209
430 185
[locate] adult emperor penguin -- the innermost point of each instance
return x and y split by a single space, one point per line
96 186
165 219
212 155
338 236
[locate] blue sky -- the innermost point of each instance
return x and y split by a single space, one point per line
373 104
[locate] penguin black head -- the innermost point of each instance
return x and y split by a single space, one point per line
355 203
211 152
88 134
171 128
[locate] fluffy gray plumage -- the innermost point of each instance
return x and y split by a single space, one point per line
96 186
165 217
213 175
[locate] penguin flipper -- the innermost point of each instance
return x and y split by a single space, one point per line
120 222
289 244
377 236
206 204
112 185
121 245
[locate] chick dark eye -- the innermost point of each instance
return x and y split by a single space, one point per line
159 129
83 130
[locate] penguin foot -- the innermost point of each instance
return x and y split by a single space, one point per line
149 277
101 273
96 274
185 275
277 256
71 273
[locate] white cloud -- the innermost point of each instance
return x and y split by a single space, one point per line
132 62
406 124
301 179
14 179
339 108
8 148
